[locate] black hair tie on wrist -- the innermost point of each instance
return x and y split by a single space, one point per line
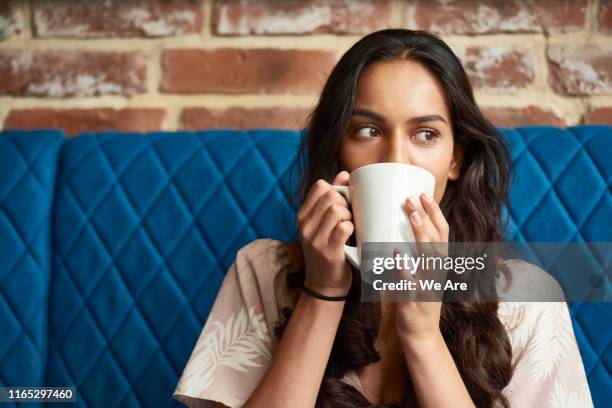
323 297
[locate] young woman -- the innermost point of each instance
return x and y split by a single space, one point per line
278 336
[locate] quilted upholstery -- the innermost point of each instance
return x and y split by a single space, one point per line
145 226
562 192
28 164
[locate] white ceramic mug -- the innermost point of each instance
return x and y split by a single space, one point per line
377 193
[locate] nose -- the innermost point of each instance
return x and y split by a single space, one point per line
395 149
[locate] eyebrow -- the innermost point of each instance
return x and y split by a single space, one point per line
413 121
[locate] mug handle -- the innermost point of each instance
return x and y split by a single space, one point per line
352 253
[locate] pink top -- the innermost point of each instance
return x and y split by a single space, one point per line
237 342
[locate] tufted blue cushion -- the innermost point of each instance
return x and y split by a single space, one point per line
145 227
28 163
561 186
562 192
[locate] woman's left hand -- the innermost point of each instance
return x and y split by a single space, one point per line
420 320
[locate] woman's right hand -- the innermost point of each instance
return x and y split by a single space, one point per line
324 223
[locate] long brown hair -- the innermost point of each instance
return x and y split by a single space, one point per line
473 206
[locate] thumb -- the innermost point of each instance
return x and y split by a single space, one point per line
342 178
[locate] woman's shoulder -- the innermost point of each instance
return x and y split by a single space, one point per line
525 289
265 258
519 280
262 266
255 249
548 367
237 341
532 307
267 252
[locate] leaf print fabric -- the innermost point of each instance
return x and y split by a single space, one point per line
550 346
236 345
548 366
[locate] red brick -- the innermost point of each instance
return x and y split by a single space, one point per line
580 69
62 73
604 16
599 116
74 121
242 17
531 115
244 118
495 16
116 18
245 70
498 67
10 18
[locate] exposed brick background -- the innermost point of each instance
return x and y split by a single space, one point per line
504 68
118 18
581 69
599 116
235 71
495 16
11 19
74 121
530 115
62 73
604 16
239 17
142 65
243 118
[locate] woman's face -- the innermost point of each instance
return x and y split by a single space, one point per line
400 116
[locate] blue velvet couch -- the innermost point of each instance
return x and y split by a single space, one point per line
113 245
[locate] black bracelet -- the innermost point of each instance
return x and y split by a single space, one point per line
323 297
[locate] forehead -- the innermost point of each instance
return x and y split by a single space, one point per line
403 88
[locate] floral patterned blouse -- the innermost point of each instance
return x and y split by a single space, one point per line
237 342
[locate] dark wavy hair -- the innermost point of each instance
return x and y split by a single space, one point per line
473 206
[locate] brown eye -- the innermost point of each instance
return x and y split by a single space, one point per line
367 131
427 135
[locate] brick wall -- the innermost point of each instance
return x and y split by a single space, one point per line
160 64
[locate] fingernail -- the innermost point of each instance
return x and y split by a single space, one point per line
416 218
412 202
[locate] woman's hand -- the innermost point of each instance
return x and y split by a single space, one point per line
418 321
324 223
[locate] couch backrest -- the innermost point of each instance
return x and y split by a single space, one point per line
561 188
28 164
145 226
562 191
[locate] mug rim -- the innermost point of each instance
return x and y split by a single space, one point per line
393 164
